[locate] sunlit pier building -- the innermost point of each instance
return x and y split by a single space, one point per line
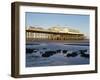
53 33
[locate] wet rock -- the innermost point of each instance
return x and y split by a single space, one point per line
85 55
35 50
48 53
82 51
64 51
58 51
28 50
73 54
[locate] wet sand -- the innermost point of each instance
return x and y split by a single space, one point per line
58 41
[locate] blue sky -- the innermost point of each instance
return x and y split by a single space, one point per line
47 20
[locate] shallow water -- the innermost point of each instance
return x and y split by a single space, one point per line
36 60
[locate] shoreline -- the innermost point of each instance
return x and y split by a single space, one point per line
86 41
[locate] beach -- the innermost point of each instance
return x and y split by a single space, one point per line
57 53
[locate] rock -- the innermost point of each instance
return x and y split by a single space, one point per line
35 50
58 51
28 50
73 54
64 51
83 51
85 55
68 55
48 53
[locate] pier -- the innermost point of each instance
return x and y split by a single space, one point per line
51 35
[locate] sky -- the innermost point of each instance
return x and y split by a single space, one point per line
47 20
